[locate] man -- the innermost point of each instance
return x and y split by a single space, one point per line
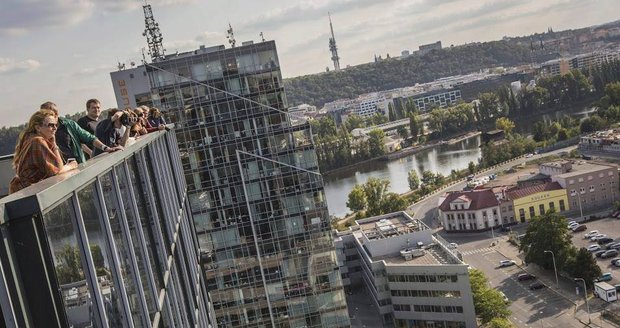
93 110
70 137
114 130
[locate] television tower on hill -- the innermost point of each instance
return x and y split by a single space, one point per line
153 34
332 46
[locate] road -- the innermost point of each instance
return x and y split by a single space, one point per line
426 210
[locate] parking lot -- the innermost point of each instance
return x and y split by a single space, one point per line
610 227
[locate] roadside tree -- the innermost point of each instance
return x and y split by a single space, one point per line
488 303
413 179
548 232
503 123
584 265
357 199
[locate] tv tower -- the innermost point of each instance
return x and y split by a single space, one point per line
153 34
332 46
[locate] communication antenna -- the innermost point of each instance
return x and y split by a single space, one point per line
332 46
231 36
262 37
153 35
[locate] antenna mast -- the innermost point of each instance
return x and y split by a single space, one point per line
231 36
153 34
332 46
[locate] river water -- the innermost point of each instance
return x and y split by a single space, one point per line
440 159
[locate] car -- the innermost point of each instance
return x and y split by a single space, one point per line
599 253
505 229
617 287
612 245
609 253
537 285
598 236
604 277
506 300
617 263
525 276
529 155
616 246
590 234
579 227
453 245
594 248
614 260
570 223
506 263
604 240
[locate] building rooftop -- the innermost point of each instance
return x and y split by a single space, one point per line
557 164
479 198
389 225
434 254
533 177
581 167
523 192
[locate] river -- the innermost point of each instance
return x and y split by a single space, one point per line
440 159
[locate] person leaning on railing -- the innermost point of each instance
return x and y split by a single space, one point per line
36 155
70 138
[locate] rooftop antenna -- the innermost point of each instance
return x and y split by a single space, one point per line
231 36
262 37
153 34
332 46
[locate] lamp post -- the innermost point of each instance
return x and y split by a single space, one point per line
579 200
585 294
557 282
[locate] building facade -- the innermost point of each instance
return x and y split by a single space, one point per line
470 210
110 244
413 278
254 188
536 200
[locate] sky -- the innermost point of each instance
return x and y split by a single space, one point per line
64 50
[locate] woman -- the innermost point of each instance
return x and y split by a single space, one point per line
155 119
36 155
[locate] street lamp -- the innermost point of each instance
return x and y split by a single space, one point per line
585 294
557 282
579 199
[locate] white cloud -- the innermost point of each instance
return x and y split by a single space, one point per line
18 17
94 70
10 65
128 5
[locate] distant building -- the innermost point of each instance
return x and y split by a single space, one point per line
473 210
565 65
405 53
369 105
493 135
601 143
532 180
413 278
426 48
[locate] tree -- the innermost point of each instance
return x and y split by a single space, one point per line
69 268
471 167
488 303
584 265
402 132
500 323
374 190
428 178
354 122
503 123
375 142
548 232
414 126
413 179
357 199
392 202
591 124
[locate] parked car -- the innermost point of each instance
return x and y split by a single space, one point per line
579 227
594 248
609 253
612 245
599 253
506 263
590 234
614 260
572 224
604 240
617 263
597 237
537 285
505 229
604 277
525 276
617 287
506 300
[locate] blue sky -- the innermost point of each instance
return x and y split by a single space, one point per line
63 50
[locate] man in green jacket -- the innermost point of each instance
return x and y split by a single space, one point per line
70 137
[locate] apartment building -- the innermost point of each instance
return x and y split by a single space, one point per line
413 278
472 210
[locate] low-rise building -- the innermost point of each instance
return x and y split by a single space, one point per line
477 209
601 143
413 277
536 200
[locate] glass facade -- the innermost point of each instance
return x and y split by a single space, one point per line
110 245
254 189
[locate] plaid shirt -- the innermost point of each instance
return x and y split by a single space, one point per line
41 160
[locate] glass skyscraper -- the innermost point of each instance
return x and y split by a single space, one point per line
254 185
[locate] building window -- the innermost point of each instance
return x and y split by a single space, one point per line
521 214
551 205
571 181
541 208
589 177
582 190
610 173
532 212
580 179
573 192
591 188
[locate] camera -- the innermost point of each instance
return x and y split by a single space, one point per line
127 120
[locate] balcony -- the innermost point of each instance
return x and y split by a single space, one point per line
111 244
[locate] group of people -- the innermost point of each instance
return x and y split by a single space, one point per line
51 144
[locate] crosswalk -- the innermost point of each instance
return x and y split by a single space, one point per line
478 251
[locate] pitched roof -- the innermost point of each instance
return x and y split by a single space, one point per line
517 193
480 199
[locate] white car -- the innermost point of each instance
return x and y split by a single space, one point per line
590 234
507 263
597 237
506 300
572 224
529 155
453 245
594 248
